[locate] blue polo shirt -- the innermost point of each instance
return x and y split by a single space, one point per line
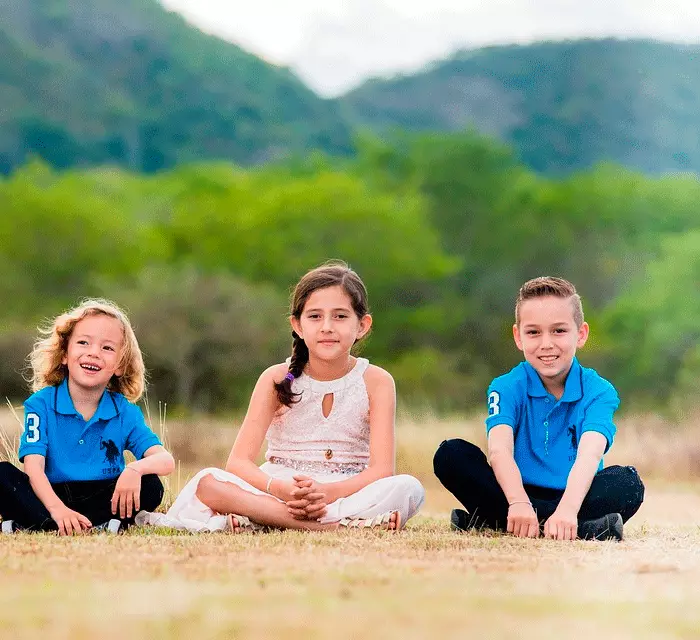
547 431
77 450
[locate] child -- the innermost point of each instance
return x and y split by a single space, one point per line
329 422
549 423
87 371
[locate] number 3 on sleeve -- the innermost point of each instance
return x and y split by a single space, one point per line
31 426
494 399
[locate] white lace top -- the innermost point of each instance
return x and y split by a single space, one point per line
302 433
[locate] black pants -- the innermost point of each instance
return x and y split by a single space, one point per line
91 498
464 471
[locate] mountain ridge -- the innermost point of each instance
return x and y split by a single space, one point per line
132 84
631 101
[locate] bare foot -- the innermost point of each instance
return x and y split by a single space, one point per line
389 521
232 524
239 524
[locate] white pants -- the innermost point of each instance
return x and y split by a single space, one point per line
403 493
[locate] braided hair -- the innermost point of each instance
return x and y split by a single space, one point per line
330 274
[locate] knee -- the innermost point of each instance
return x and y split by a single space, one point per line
412 487
207 488
152 491
453 454
631 483
635 484
8 471
629 487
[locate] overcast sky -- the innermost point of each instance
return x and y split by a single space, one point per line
335 44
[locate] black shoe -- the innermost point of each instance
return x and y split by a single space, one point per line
459 520
608 527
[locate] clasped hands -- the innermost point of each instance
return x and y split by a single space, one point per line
523 523
306 499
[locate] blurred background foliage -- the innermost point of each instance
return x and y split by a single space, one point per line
442 227
194 183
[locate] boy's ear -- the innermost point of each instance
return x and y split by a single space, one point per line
516 337
583 331
296 325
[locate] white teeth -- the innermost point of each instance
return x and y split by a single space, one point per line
90 367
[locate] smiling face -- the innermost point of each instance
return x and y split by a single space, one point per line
328 324
94 352
548 337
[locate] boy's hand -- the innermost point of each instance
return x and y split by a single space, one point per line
522 521
69 521
127 493
562 525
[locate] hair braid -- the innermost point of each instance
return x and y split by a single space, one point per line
300 356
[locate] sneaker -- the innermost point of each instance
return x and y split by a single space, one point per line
608 527
8 526
113 526
459 520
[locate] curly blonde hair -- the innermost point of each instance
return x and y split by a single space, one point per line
51 347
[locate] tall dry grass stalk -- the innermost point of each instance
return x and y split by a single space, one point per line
9 442
162 432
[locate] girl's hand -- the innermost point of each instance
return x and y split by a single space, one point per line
127 493
69 521
282 490
309 499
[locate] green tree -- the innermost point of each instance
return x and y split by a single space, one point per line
654 329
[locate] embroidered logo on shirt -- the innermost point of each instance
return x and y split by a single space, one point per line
574 438
112 454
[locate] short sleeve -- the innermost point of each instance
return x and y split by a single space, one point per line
139 437
502 405
599 414
35 439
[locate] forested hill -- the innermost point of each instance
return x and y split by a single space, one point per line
563 106
126 82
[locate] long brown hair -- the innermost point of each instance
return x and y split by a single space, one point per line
330 274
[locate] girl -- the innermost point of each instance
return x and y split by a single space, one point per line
87 371
329 422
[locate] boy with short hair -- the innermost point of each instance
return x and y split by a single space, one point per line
549 422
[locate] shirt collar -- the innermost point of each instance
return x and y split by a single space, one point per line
572 386
106 409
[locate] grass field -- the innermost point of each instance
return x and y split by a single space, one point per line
424 582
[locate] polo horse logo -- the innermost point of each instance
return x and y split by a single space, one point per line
112 453
574 438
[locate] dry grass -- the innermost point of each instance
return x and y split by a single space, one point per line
425 582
